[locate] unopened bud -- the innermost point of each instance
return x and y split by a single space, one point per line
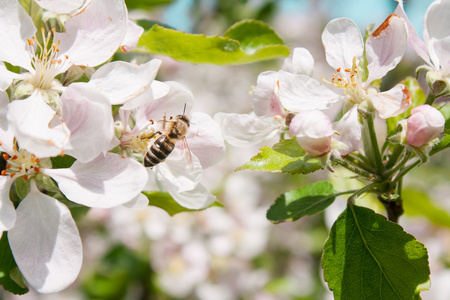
313 130
424 125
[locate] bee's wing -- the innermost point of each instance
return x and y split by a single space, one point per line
187 153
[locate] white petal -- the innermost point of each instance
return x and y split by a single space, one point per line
7 210
87 114
435 20
393 102
342 41
105 182
138 202
132 36
385 47
172 104
241 130
157 90
6 134
29 120
198 198
301 62
442 55
177 174
45 243
265 101
205 139
60 6
94 34
122 81
300 92
17 26
348 131
6 77
414 41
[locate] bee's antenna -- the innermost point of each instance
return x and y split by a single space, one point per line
184 110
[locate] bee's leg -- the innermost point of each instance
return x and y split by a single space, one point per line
158 133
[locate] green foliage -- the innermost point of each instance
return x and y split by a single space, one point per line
145 4
22 187
10 276
245 42
167 203
305 201
443 144
59 162
416 203
417 98
369 257
286 156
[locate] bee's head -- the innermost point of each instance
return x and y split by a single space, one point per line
184 119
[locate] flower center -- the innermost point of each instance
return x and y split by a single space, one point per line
44 59
350 82
134 143
21 164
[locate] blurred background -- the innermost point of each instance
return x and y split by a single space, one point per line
234 252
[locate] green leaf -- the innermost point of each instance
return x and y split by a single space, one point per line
286 157
369 257
59 162
305 201
22 187
417 98
416 203
245 42
167 203
145 4
10 276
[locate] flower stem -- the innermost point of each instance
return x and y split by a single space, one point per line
430 98
395 157
370 144
394 208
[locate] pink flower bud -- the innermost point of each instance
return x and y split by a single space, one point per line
313 130
424 125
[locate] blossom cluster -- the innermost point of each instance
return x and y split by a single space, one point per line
103 126
290 101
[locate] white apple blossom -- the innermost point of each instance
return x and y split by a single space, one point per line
42 234
176 175
90 38
344 48
269 117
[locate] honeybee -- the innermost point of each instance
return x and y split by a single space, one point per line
173 130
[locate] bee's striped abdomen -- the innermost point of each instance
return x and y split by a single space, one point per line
158 151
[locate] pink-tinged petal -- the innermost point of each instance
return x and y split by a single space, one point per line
424 125
29 120
132 36
241 130
87 114
6 134
414 41
171 105
157 90
177 173
94 34
393 102
17 26
342 41
122 81
386 46
138 202
7 210
60 6
205 140
197 198
107 181
301 62
45 243
265 101
313 131
348 132
301 92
